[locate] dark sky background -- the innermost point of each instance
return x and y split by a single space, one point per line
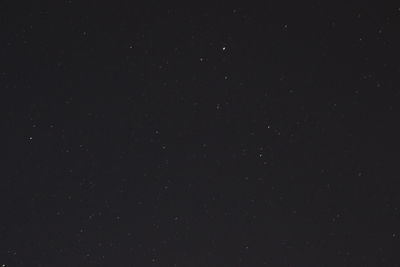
199 136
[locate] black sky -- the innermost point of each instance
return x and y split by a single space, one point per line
213 135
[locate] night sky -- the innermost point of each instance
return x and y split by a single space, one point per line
199 136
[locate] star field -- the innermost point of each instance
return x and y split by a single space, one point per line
213 135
